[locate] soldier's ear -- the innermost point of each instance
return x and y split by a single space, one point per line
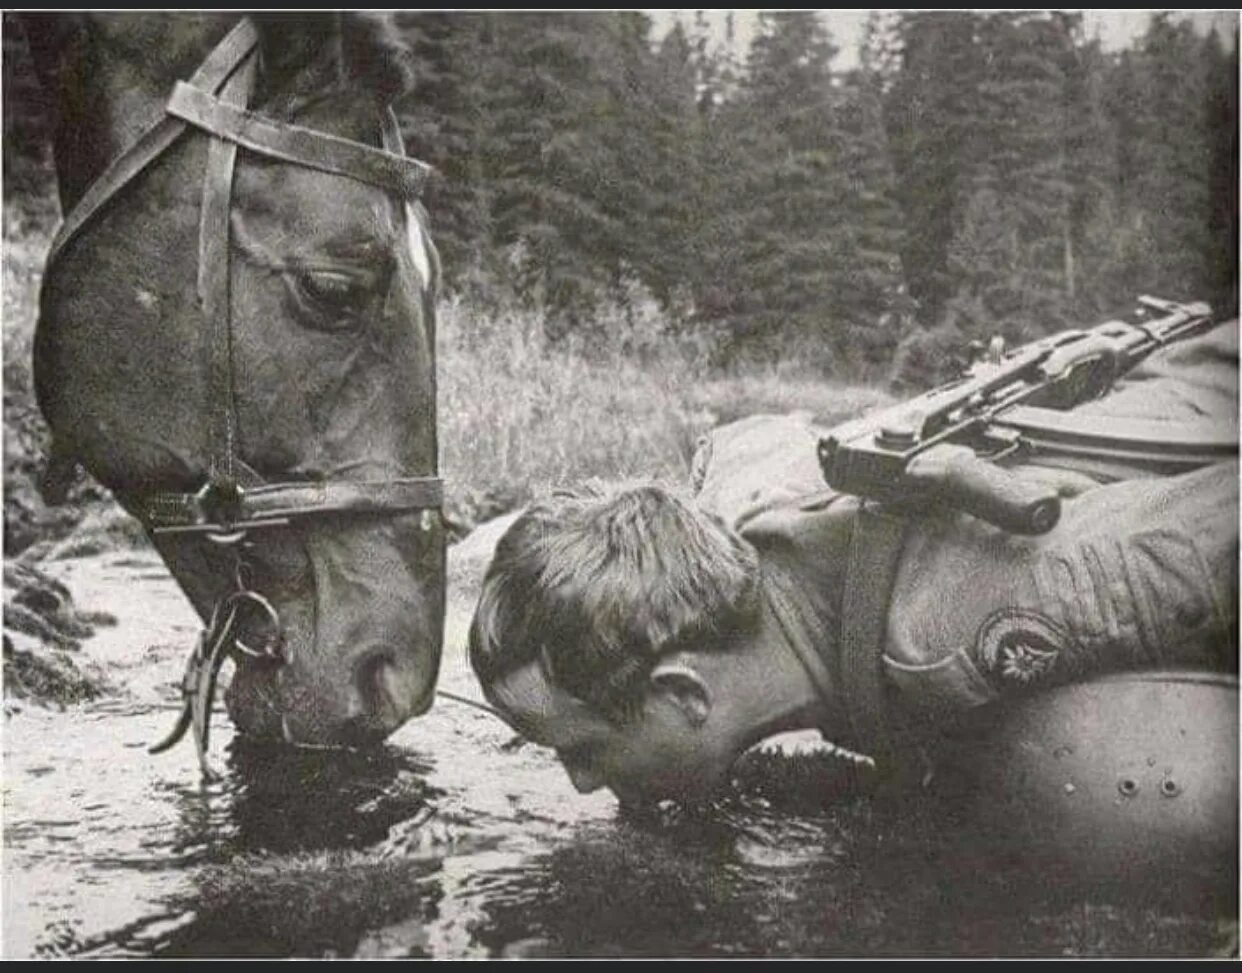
685 688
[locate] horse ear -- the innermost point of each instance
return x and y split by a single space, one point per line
290 44
58 43
304 53
375 54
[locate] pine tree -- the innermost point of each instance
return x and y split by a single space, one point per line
718 69
1174 171
443 124
1012 256
541 159
931 115
719 150
1221 122
673 181
869 287
879 49
1164 231
639 190
1090 149
792 187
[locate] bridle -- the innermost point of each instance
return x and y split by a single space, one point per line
234 499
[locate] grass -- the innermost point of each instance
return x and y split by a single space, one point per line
520 414
28 228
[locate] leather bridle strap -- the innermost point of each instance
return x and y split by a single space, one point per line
211 75
214 291
277 503
303 146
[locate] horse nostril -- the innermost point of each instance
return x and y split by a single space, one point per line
390 693
370 678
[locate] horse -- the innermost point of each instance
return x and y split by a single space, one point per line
236 337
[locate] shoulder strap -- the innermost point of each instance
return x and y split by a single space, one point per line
875 551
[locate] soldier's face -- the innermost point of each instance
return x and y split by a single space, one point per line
657 753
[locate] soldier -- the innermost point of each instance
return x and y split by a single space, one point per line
650 638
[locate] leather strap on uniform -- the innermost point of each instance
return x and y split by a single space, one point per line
391 134
875 551
213 72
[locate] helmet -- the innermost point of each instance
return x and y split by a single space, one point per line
1128 781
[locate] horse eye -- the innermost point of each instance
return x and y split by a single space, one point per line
336 300
332 288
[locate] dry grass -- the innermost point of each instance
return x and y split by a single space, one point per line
520 414
28 227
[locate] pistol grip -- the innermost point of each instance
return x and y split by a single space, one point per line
956 476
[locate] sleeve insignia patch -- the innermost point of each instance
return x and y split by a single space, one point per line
1018 647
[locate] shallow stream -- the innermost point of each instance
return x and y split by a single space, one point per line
456 840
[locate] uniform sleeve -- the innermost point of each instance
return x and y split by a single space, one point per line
747 467
1139 574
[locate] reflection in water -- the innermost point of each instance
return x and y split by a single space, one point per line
451 842
860 879
302 905
284 800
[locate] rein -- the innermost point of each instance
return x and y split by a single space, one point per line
234 499
215 643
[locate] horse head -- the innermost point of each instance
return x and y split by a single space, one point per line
320 383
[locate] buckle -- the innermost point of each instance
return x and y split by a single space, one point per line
217 510
220 505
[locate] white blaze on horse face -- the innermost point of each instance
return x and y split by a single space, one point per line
419 250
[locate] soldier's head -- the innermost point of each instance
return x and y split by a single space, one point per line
603 628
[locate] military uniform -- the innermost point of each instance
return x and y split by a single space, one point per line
1140 572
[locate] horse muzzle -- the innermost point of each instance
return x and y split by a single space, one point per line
361 636
337 633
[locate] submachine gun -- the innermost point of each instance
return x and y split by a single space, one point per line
943 448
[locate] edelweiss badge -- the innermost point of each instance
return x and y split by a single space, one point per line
1018 647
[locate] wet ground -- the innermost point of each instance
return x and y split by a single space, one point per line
457 841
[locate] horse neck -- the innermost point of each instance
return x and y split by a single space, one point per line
110 76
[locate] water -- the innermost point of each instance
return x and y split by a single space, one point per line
456 840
